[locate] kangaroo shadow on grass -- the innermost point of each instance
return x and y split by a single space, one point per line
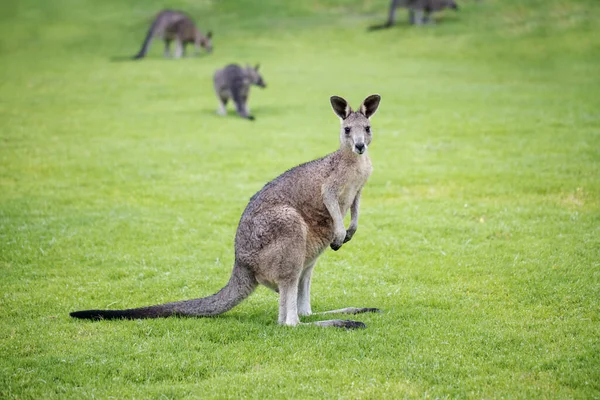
407 25
380 27
257 112
257 319
122 58
154 58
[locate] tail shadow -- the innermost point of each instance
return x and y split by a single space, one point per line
122 58
379 27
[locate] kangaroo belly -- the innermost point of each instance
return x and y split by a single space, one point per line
319 236
268 231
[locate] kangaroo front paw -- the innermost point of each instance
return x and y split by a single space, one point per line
349 233
337 243
335 246
338 240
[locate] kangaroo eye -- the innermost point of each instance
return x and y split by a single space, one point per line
347 129
368 129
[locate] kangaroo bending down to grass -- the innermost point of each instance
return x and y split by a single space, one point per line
176 26
419 11
233 82
285 228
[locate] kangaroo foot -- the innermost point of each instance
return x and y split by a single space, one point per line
351 310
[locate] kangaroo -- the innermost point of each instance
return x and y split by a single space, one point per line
171 25
234 82
419 11
285 228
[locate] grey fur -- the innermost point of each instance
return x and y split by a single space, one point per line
419 10
285 228
172 25
233 82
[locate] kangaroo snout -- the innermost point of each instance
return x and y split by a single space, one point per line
360 148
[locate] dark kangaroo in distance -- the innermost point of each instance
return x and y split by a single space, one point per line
285 228
233 82
419 11
172 25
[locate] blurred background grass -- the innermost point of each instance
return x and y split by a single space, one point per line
479 238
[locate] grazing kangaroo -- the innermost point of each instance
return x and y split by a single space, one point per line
419 11
176 26
234 82
285 228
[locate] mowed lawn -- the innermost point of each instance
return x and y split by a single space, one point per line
479 235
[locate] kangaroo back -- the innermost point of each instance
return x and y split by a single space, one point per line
241 284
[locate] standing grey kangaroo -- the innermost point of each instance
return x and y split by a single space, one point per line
419 11
234 82
171 25
285 228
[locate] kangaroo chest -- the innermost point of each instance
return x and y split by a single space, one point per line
354 180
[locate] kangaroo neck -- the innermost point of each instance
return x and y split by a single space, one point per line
350 157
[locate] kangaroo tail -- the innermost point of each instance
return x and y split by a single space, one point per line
147 40
241 284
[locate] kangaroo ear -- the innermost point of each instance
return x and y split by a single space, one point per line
257 66
340 107
209 34
369 105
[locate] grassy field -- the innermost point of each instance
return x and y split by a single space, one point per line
479 235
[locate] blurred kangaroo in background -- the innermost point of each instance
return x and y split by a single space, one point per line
177 26
234 82
419 11
285 228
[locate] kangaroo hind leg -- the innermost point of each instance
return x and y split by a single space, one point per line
222 104
288 306
304 290
167 48
289 264
178 48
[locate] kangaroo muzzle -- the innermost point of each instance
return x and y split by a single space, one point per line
360 148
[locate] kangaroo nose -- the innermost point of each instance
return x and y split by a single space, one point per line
360 147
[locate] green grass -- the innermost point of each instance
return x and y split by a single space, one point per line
480 227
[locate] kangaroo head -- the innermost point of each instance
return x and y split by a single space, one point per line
255 77
355 132
206 42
